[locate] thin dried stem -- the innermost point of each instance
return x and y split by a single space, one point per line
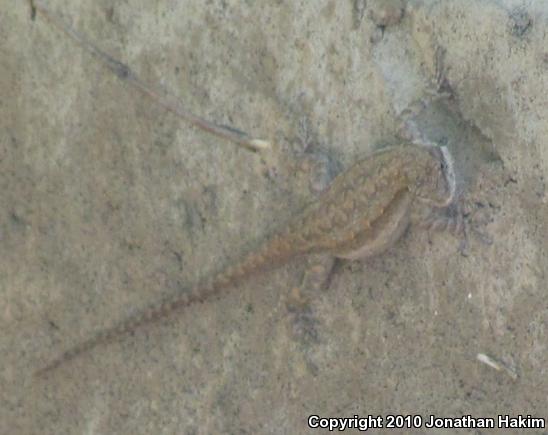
124 73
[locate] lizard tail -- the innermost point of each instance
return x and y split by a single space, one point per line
270 254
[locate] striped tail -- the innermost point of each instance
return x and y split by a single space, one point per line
271 254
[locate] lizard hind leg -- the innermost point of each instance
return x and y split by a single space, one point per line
300 300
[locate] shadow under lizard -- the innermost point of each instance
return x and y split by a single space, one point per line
363 212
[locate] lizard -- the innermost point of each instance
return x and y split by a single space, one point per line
363 212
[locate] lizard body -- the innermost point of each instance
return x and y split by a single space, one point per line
362 213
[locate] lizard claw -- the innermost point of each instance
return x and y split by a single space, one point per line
458 220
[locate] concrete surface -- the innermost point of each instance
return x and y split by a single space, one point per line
108 203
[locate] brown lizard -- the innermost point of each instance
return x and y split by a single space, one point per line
364 211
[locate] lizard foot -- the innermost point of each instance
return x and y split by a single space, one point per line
299 303
460 220
303 322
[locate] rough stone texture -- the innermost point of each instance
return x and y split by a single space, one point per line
108 202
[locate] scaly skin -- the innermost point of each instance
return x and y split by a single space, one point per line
363 212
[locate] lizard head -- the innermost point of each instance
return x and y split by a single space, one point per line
436 185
